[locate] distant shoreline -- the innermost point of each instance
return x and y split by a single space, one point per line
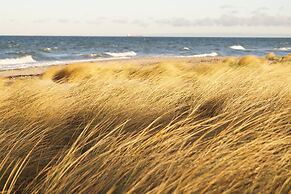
145 36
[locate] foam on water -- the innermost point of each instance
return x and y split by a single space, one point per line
213 54
91 55
283 49
237 47
9 66
186 49
123 54
15 61
48 49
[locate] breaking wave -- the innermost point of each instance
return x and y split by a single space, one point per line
213 54
283 49
123 54
237 47
49 49
91 55
15 61
186 49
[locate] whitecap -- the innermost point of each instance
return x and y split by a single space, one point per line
91 55
237 47
48 49
123 54
213 54
283 49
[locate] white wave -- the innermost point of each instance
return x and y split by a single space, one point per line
49 49
15 61
213 54
50 63
91 55
123 54
237 47
283 49
186 49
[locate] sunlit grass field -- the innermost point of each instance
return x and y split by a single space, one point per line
163 127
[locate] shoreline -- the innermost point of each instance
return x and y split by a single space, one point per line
39 70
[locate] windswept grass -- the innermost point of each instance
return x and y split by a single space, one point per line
171 126
287 58
271 56
250 60
2 82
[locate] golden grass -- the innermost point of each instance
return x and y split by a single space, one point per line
287 58
230 60
69 73
271 56
158 128
2 82
250 60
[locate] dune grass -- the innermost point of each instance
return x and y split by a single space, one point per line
271 56
159 128
250 60
286 58
2 82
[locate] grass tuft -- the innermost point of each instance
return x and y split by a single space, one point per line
250 60
271 56
286 58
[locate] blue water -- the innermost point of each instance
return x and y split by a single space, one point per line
21 52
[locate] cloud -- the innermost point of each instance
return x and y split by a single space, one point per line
98 20
176 22
260 10
231 9
256 19
264 8
120 21
141 23
233 12
44 20
64 21
136 22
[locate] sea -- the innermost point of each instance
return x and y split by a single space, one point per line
18 52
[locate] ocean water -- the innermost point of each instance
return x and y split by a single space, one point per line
21 52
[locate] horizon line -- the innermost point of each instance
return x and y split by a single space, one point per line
148 36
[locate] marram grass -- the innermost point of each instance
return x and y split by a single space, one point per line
159 128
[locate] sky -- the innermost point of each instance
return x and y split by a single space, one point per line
146 17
